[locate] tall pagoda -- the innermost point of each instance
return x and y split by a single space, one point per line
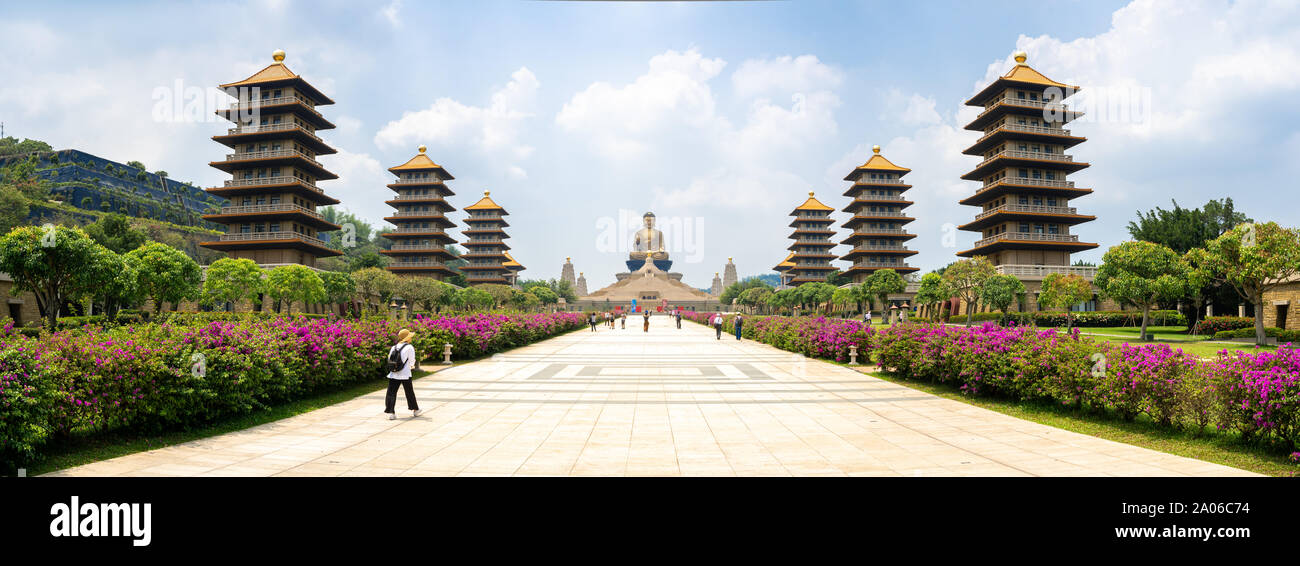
783 269
272 217
514 267
1025 219
485 247
812 242
419 243
877 235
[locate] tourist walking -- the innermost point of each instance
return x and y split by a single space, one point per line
646 316
678 316
738 322
592 320
401 359
866 317
624 319
717 324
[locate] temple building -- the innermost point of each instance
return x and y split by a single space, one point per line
420 240
729 274
1025 220
485 247
514 267
717 288
812 242
580 286
273 192
877 237
783 269
566 273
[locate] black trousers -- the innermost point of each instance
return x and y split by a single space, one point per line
718 327
390 399
679 323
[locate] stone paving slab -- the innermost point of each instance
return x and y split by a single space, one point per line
668 402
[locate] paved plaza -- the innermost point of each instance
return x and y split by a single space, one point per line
668 402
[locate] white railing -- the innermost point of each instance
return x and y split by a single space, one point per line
1017 154
878 247
253 129
272 102
868 232
281 180
418 247
252 208
1029 181
473 241
241 236
1013 101
401 264
416 213
869 181
868 198
251 155
430 230
434 196
429 181
1028 208
1043 270
889 213
1028 237
878 265
993 129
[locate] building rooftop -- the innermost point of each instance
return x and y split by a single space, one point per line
1021 74
421 162
813 204
486 203
877 163
278 74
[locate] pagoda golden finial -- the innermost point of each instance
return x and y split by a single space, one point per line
567 259
728 259
875 149
1021 57
278 55
423 149
487 193
810 193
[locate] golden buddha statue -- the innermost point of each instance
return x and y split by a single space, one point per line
648 245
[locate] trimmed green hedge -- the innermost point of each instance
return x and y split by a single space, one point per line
1081 319
1281 335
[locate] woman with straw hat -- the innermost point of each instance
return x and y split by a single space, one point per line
401 358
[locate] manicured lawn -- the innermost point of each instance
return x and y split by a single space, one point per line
1210 446
78 451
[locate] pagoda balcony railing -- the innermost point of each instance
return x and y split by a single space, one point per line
280 180
868 232
1029 181
473 241
866 198
869 181
258 128
418 197
1028 237
250 104
431 229
1007 99
1086 272
416 213
879 265
282 207
1022 128
418 247
880 213
477 217
244 236
1017 154
425 263
1027 208
878 247
401 181
251 155
825 240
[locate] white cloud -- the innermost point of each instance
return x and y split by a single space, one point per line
392 13
361 184
784 76
493 129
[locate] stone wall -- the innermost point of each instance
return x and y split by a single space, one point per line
1283 300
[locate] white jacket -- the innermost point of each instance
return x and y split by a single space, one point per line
408 359
717 319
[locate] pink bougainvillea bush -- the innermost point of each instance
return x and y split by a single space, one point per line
164 376
818 337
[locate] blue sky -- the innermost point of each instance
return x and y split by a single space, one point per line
717 116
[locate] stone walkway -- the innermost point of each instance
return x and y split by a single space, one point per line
670 402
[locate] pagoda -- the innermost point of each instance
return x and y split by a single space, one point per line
272 217
1025 219
420 240
878 236
812 242
783 269
485 248
514 267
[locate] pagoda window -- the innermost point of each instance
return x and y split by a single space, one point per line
244 228
1024 173
1020 94
1053 229
1038 201
248 201
1038 174
1051 201
259 227
1033 96
1051 174
1038 228
261 199
275 227
275 199
1024 227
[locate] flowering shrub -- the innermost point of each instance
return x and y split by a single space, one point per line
1215 324
158 376
1260 392
818 337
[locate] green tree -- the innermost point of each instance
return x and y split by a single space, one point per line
372 281
1143 274
11 146
882 283
999 291
1182 229
1253 259
754 297
340 289
735 289
843 297
119 282
812 295
51 264
1062 291
230 280
115 232
166 274
471 298
13 208
365 259
932 291
291 283
543 293
500 293
965 278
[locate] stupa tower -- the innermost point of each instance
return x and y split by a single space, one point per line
566 273
717 288
419 243
580 288
878 236
485 248
272 217
729 274
1025 220
812 242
